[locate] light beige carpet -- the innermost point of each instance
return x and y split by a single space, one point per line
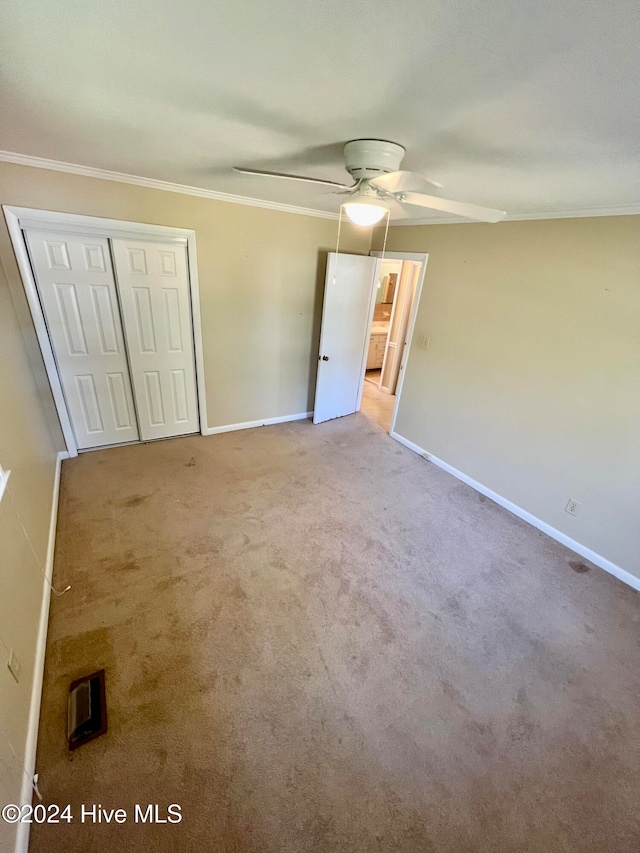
378 406
315 640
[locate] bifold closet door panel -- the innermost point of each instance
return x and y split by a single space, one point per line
153 283
77 291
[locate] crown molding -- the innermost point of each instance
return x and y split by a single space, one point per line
571 213
167 186
154 184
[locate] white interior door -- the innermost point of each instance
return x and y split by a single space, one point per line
349 295
153 282
77 291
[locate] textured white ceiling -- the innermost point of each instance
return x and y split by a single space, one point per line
525 105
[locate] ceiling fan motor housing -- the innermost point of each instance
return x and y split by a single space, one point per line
369 158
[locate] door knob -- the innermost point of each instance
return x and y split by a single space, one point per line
325 358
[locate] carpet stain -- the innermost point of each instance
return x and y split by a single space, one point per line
129 562
237 592
136 500
205 545
521 728
168 583
578 567
483 738
454 696
454 607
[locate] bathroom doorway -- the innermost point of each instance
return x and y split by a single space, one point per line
397 296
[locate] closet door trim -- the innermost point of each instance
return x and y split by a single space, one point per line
20 218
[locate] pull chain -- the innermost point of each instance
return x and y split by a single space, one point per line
335 271
386 231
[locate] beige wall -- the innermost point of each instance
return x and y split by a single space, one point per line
28 449
261 274
531 383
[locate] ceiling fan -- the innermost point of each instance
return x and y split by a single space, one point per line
381 186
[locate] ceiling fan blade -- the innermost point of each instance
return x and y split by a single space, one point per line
398 210
460 208
291 177
402 181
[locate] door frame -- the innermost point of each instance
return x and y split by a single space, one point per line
19 218
393 310
388 345
421 257
392 350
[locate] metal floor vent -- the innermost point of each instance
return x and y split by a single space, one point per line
86 709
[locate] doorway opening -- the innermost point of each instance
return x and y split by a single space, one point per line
397 295
348 312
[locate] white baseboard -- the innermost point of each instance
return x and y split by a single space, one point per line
579 548
264 422
22 837
408 443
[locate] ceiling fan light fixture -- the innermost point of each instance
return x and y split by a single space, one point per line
364 212
382 187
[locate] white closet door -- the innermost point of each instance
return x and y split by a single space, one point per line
153 282
77 291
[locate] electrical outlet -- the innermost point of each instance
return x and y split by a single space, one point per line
572 506
15 667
